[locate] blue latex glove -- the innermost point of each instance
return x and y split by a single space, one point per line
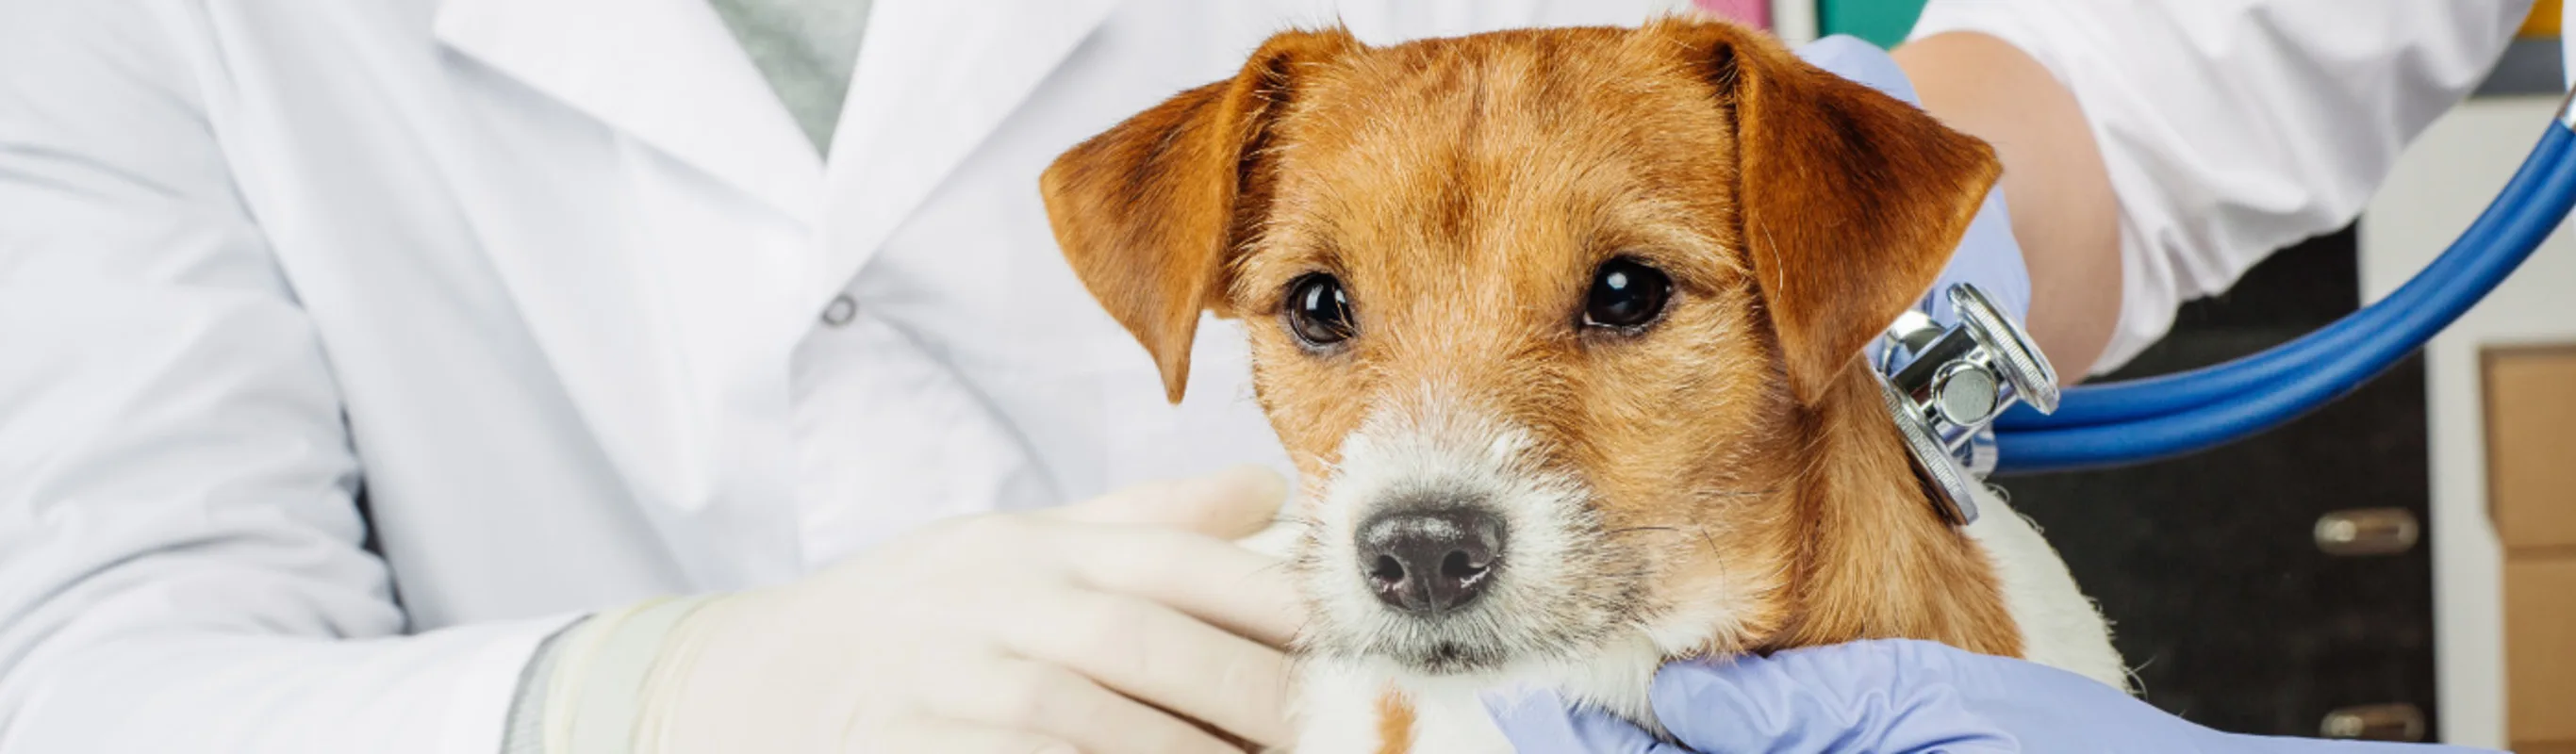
1886 696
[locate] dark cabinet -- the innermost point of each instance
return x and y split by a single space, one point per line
2262 588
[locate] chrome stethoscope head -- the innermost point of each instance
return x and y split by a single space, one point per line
1946 385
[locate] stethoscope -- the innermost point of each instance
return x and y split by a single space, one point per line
1973 398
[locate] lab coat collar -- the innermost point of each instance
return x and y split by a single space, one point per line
934 79
664 71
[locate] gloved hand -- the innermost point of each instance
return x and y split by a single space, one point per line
1023 633
1884 696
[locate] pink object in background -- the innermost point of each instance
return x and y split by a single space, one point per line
1755 13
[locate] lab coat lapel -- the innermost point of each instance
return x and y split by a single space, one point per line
653 369
664 71
935 77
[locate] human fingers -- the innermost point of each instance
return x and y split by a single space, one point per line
1046 699
1538 721
1230 587
1163 657
933 734
1231 504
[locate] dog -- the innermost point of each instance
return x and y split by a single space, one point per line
1562 328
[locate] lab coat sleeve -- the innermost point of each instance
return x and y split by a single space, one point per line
181 566
2232 128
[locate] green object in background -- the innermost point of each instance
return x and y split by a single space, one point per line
1882 22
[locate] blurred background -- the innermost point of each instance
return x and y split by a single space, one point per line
2399 566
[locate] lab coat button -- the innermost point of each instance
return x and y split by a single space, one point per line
841 311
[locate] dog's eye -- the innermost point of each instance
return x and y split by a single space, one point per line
1319 313
1626 294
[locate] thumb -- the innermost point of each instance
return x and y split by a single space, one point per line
1229 504
1538 721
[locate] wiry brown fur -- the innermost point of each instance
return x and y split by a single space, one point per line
1465 189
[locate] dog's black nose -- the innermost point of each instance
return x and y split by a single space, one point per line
1430 560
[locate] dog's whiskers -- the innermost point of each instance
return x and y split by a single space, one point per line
1637 529
1302 522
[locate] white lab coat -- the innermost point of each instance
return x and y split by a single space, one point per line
555 289
2232 128
550 286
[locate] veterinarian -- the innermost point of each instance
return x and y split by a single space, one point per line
372 373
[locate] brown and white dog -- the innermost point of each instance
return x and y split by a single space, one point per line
1561 328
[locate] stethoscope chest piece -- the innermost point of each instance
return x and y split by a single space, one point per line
1946 384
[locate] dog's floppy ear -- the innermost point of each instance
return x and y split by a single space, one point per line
1851 200
1149 211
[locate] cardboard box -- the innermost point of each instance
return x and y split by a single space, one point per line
2540 651
2531 491
2531 446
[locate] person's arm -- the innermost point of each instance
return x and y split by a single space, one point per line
2064 215
180 559
181 567
2154 151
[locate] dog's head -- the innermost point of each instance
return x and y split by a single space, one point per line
1554 321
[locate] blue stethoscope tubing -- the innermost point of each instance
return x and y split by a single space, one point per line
2161 417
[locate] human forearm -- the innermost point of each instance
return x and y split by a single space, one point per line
2063 212
2219 132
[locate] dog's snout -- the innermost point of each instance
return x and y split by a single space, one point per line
1430 561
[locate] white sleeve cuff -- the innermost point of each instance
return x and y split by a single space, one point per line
487 680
